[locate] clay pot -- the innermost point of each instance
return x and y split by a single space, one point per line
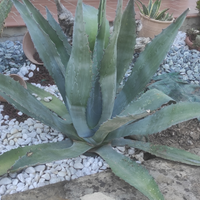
29 49
16 78
152 27
190 44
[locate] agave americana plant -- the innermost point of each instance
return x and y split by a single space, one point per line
152 11
94 116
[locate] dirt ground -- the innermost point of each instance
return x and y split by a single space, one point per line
185 135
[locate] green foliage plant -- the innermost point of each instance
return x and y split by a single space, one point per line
93 116
152 10
194 36
5 7
198 5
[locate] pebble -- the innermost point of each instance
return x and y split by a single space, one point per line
30 170
40 168
2 189
46 177
5 181
78 165
21 178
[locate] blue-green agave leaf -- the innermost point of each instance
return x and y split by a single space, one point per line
50 153
79 76
90 18
42 43
108 70
94 107
147 64
169 153
8 159
47 28
115 123
131 172
150 101
29 105
177 88
59 31
126 41
160 120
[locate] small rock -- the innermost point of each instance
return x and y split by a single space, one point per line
38 125
15 181
20 187
122 149
47 99
30 170
32 67
20 113
78 165
30 74
13 130
5 181
62 173
2 189
40 168
11 142
46 177
21 177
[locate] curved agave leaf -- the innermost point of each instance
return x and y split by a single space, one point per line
126 41
159 121
8 159
56 105
177 88
108 71
115 123
162 151
48 154
131 172
94 106
47 28
79 76
42 42
147 64
150 100
91 25
59 31
29 105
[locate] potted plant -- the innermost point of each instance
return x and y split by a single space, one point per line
198 5
30 51
193 39
153 20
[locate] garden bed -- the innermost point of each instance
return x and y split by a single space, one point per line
20 130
